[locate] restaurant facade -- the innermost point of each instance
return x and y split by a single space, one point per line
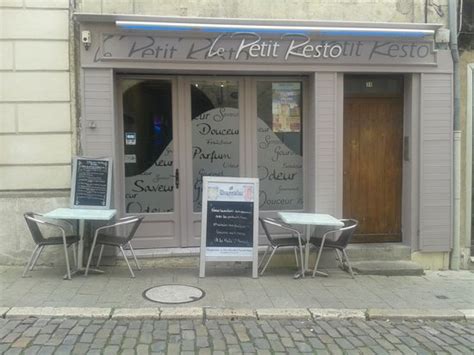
352 119
349 119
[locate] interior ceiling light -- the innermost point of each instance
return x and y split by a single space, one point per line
326 31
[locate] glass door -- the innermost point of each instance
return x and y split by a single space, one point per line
151 175
215 137
178 129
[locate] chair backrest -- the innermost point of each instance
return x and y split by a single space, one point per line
31 219
135 223
263 222
266 222
346 232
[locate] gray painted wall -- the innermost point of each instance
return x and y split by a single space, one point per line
436 160
97 115
326 158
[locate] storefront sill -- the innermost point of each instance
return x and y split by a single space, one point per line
396 250
35 193
164 252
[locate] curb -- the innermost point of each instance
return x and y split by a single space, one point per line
135 313
230 313
3 311
176 313
51 312
413 314
182 313
331 313
283 313
468 313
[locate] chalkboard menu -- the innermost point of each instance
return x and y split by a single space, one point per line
229 224
229 221
91 183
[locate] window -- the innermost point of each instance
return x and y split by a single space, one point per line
280 145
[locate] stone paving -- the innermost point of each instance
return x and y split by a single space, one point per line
236 289
88 336
276 295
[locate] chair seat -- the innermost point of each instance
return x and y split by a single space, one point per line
328 243
286 242
59 240
111 239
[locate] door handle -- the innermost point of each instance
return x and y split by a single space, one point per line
176 178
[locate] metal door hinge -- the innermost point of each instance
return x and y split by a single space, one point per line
406 148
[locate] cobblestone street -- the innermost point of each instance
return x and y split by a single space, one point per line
89 336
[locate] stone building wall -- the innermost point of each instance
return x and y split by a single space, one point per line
36 124
337 10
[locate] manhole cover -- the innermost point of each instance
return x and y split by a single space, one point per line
173 294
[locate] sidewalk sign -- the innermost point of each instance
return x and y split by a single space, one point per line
229 230
91 183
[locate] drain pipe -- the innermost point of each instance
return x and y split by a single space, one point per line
455 253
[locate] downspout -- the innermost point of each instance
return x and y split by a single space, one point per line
453 28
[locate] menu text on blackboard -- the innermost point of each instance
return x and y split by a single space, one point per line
229 224
91 182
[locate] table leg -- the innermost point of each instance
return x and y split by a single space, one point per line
306 254
80 251
307 269
315 271
80 247
320 252
306 249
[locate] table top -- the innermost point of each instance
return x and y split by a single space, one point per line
318 219
81 213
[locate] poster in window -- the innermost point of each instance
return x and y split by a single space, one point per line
286 110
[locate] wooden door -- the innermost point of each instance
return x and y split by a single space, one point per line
373 139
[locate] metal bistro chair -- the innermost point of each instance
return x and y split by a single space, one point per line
132 222
336 239
33 220
294 241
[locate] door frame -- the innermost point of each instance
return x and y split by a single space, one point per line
120 165
186 221
408 148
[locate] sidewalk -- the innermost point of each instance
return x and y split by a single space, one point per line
225 288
